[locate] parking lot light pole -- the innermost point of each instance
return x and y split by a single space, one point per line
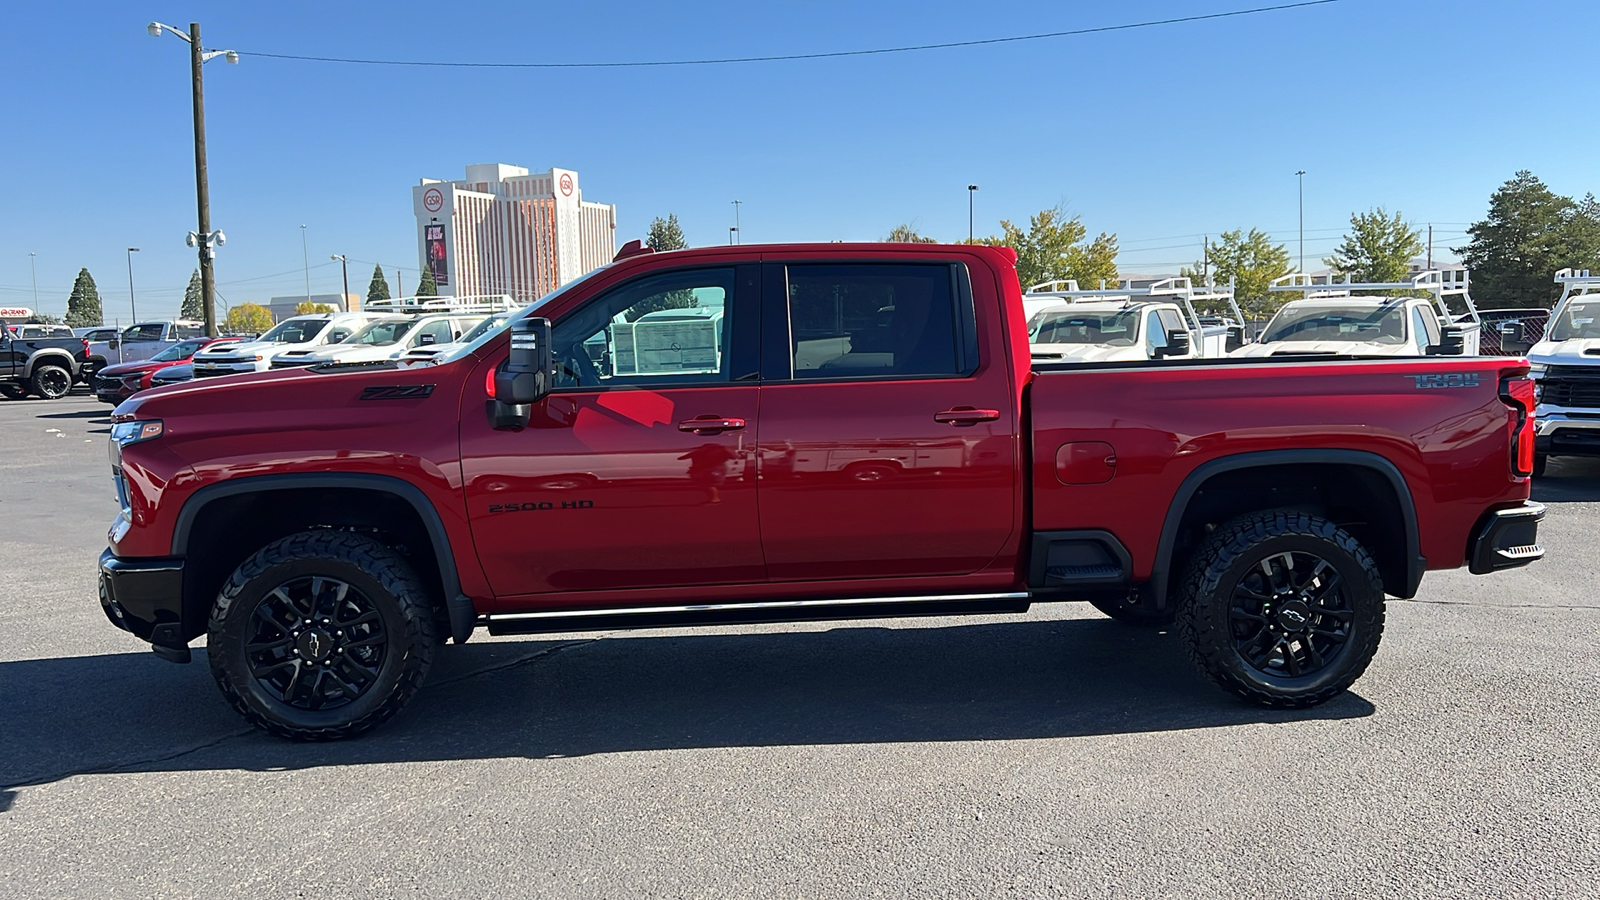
344 267
736 229
1302 176
971 190
204 241
34 271
305 260
132 304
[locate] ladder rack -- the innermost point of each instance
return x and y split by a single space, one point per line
476 303
1178 289
1437 283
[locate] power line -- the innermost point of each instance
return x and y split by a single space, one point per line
794 56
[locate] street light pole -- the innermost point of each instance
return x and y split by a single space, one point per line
971 189
733 230
736 229
1302 176
32 269
305 260
132 304
344 267
204 240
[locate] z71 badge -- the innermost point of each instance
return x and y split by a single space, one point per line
1453 380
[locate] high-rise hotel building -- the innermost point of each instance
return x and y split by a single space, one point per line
502 230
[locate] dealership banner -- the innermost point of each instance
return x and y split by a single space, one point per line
433 245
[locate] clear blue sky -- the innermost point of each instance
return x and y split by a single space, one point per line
1159 135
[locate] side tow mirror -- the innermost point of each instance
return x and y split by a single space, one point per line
1177 345
528 375
426 339
1514 337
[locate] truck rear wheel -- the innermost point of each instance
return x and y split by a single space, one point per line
321 635
50 381
1283 608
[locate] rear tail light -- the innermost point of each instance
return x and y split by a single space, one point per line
1521 394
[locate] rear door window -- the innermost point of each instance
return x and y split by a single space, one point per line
876 320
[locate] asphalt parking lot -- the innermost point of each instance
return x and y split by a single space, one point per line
1054 754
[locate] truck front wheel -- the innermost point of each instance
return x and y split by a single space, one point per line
1283 608
321 635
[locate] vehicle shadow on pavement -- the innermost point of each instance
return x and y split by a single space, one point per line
80 414
1569 480
646 691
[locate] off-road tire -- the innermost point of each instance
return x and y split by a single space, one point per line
50 381
1539 461
1136 615
378 572
1227 556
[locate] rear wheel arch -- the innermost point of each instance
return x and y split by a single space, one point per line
52 357
222 525
1396 544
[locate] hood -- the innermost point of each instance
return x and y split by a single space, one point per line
1051 353
1574 352
248 348
132 368
1323 348
351 352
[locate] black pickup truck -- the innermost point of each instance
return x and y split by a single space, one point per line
47 367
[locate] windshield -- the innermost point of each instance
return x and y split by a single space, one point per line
381 333
1385 324
178 351
484 327
464 346
1578 320
295 331
1069 326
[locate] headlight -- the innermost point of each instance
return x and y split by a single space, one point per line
1536 370
125 433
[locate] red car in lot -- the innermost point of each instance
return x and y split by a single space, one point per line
114 384
797 432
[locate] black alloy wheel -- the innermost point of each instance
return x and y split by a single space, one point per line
1283 608
317 642
51 382
321 635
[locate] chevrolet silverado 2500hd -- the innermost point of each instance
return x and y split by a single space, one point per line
856 431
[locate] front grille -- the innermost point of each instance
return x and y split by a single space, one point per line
1573 386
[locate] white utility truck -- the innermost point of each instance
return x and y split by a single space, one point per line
1331 319
1136 320
1566 364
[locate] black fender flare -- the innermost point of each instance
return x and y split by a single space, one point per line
1416 564
51 355
463 617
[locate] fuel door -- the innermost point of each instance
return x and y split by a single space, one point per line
1086 462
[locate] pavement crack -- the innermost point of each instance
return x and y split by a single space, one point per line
1484 605
127 766
511 664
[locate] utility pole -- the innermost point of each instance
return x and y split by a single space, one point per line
970 191
1205 258
132 304
1302 176
1430 247
737 230
35 272
208 278
305 261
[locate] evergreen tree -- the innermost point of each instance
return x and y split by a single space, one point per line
1379 247
194 305
83 307
379 288
665 234
427 288
1529 233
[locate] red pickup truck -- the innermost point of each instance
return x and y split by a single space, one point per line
797 432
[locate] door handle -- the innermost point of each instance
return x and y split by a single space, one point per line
710 425
966 415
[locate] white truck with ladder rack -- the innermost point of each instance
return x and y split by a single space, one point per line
1139 319
1566 369
1330 319
401 325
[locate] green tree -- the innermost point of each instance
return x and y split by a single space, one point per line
378 289
1529 233
1251 261
194 304
905 234
248 318
306 308
1379 247
427 288
83 306
665 234
1052 249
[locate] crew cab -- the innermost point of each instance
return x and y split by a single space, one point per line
1566 365
306 332
140 342
46 367
325 529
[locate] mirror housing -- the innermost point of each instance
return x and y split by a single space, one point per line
1514 337
1177 345
530 370
424 340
